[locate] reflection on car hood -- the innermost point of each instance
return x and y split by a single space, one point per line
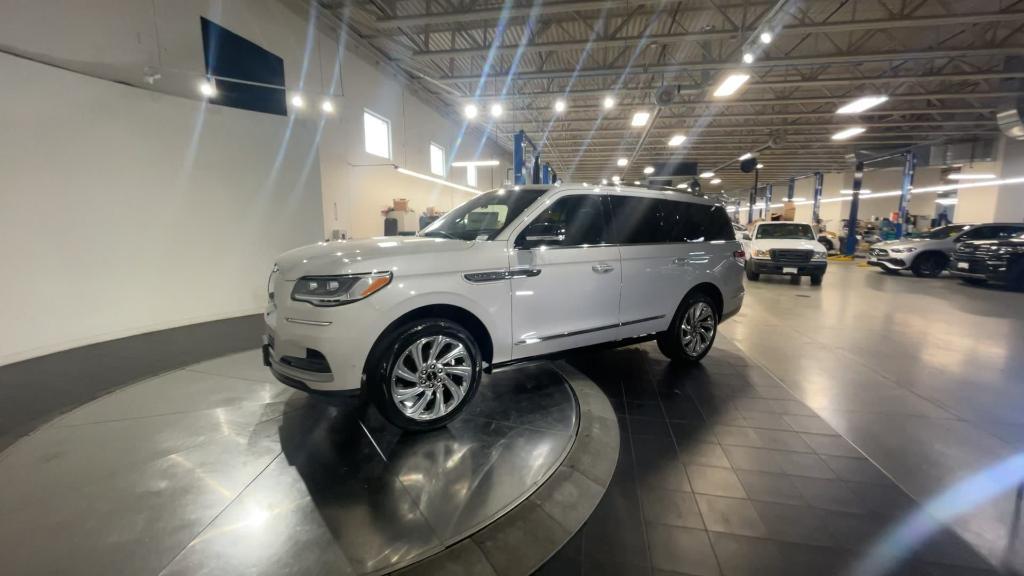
915 242
361 256
792 244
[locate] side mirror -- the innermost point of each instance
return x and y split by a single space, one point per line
540 234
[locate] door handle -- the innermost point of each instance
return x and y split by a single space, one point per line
602 268
679 261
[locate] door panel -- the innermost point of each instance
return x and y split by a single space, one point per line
570 297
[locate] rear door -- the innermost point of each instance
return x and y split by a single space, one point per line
565 278
667 247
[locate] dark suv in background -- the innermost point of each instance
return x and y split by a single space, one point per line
996 257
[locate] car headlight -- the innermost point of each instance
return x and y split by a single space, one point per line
820 255
903 250
758 253
338 290
270 282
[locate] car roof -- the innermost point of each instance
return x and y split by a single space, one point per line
613 190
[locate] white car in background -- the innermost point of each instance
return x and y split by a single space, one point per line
926 255
785 248
413 322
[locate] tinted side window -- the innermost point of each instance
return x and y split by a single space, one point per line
638 220
573 220
719 224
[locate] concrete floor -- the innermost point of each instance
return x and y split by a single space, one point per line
924 376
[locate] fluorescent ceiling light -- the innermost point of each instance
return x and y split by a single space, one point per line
848 133
760 165
559 105
640 119
861 104
435 180
496 110
766 37
708 174
476 163
207 89
862 191
682 186
649 170
730 85
748 58
676 140
298 101
609 102
716 180
585 184
470 111
746 156
946 201
622 162
978 176
616 179
604 181
797 199
636 182
327 106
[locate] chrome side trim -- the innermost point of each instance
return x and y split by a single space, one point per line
499 275
308 322
585 331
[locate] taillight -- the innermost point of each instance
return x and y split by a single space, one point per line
739 255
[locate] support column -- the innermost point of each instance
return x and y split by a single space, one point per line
819 183
791 190
768 201
909 165
850 246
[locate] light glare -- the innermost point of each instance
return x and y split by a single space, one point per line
649 170
676 140
207 89
962 176
609 102
766 37
730 85
298 102
748 58
640 119
327 106
559 105
496 110
848 133
861 104
708 174
470 111
622 162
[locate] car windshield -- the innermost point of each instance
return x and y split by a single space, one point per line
785 231
483 217
944 232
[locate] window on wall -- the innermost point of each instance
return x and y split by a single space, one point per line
377 134
436 159
471 176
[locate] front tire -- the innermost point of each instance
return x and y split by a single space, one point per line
816 279
751 275
693 329
425 374
928 265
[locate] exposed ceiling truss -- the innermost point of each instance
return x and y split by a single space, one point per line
942 63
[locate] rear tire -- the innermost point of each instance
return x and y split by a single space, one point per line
693 329
928 265
424 374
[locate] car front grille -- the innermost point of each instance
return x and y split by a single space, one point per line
879 252
791 256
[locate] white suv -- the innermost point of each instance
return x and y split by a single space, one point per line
513 274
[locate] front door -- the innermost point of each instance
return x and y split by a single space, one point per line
565 278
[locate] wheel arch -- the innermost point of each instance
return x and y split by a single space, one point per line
711 291
463 317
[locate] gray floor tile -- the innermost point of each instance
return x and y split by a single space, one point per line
730 515
672 508
703 453
811 424
831 445
828 494
770 487
759 459
682 550
801 464
856 470
801 524
741 556
715 481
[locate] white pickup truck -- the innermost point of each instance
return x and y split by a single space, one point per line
786 248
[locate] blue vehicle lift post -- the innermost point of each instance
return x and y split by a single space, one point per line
819 181
909 164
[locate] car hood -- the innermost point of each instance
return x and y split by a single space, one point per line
362 256
912 242
769 243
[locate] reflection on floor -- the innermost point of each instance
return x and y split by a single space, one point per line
722 471
218 469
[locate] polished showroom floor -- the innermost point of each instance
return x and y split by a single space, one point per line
793 447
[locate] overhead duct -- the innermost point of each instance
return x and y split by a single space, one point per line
1011 120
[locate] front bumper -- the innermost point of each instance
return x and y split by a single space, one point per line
979 268
890 262
811 268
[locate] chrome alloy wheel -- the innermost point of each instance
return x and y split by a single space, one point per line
697 328
431 378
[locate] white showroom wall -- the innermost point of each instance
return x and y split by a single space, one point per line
124 211
118 216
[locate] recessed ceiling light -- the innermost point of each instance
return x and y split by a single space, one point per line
861 104
766 37
470 111
207 89
496 110
848 133
716 180
327 106
616 179
730 85
978 176
649 170
760 165
636 182
622 162
604 181
559 105
748 58
298 102
609 102
640 119
676 140
708 174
